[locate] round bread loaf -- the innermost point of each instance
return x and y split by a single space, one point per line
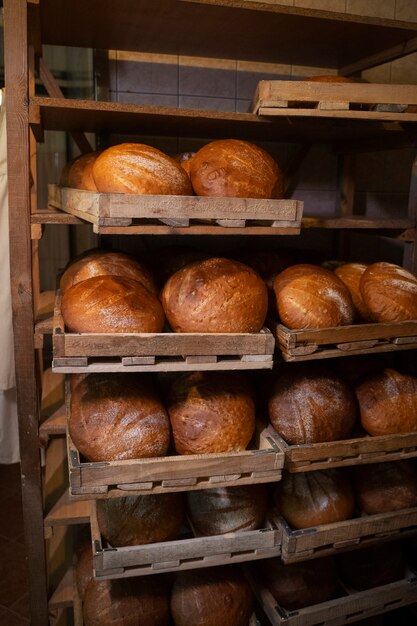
384 487
102 263
211 412
388 403
389 292
211 597
309 296
78 173
297 585
372 566
310 404
309 499
350 274
139 169
232 168
227 509
111 304
137 520
127 602
115 417
215 296
84 569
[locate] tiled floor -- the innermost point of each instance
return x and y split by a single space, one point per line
14 603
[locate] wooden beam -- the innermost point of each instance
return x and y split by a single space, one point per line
390 54
410 251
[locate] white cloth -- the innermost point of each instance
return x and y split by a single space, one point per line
9 431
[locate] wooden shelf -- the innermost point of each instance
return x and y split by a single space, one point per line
63 595
240 29
67 511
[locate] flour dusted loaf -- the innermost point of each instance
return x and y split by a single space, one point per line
115 417
105 263
232 168
383 487
137 520
389 292
211 412
127 602
308 499
311 404
137 168
227 509
111 304
309 296
215 296
388 402
218 596
78 173
350 274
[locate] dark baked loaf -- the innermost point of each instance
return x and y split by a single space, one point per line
308 499
227 509
111 304
217 596
215 296
211 412
310 404
116 417
137 520
232 168
388 402
383 487
372 566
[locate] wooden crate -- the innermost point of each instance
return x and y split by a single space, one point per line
327 539
325 343
167 215
346 609
186 553
157 352
340 100
356 451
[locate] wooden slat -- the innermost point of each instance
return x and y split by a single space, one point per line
52 426
62 597
67 511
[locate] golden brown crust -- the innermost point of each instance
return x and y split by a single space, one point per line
388 403
310 405
215 296
309 499
389 292
383 487
111 304
78 173
116 417
211 412
329 79
139 169
232 168
350 274
309 296
103 263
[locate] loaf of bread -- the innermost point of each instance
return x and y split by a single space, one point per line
84 569
105 263
309 296
139 169
372 566
115 417
383 487
127 602
389 292
350 274
297 585
388 402
211 412
215 296
137 520
310 404
308 499
111 304
232 168
227 509
217 596
184 159
78 173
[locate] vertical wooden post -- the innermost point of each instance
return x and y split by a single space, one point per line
18 154
410 251
345 201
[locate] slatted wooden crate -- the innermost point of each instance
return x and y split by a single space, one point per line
167 215
188 552
327 539
340 100
157 352
350 607
356 451
325 343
